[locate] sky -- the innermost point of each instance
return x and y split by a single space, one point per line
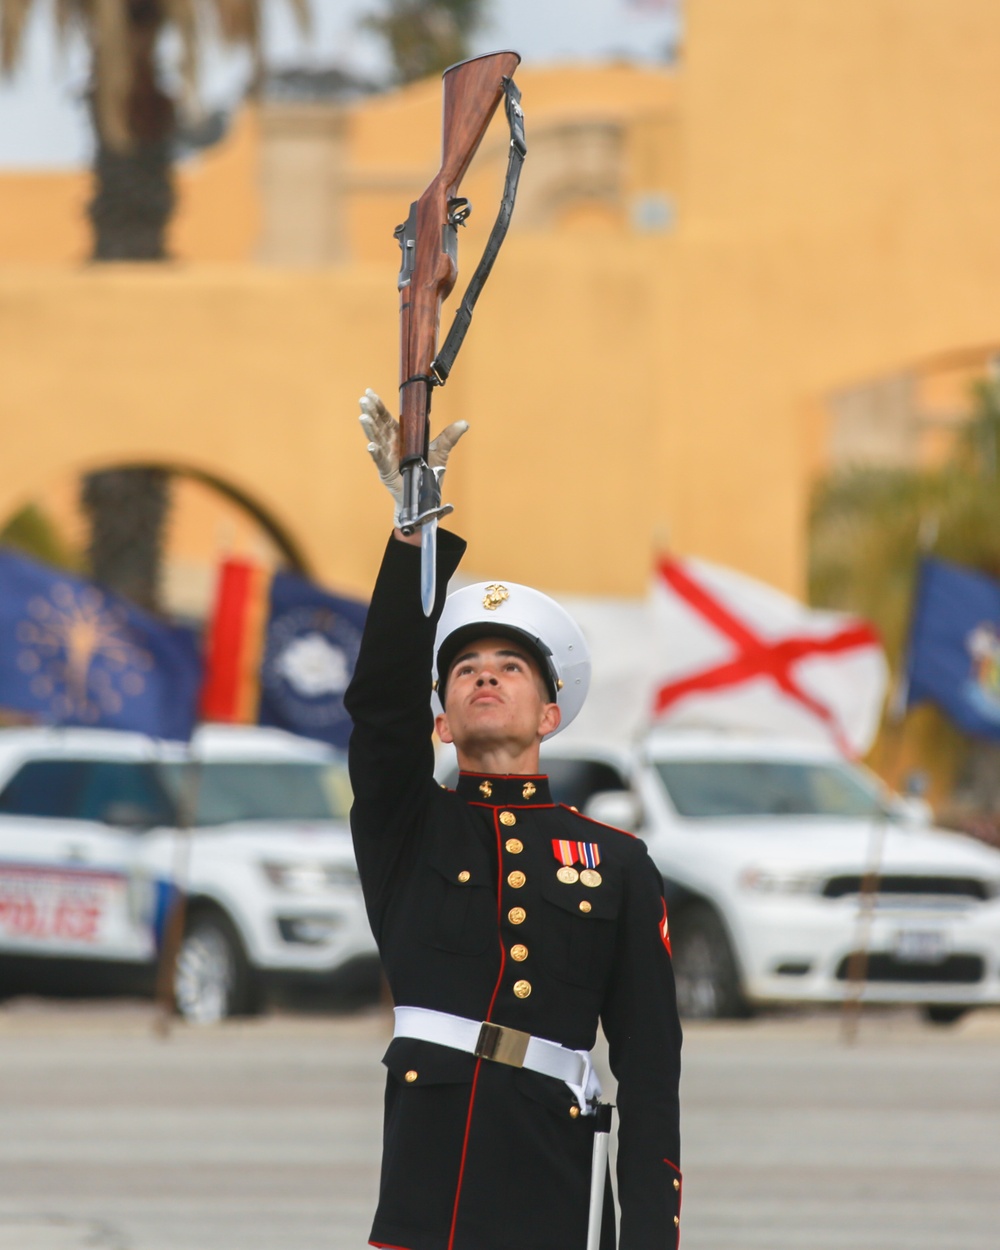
43 124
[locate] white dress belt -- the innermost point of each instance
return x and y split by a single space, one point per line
503 1045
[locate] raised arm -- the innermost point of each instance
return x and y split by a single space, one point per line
389 698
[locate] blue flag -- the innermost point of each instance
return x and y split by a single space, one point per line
310 651
954 655
72 653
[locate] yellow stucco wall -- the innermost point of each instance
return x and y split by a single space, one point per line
254 376
43 220
838 199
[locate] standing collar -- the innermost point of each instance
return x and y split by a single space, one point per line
501 790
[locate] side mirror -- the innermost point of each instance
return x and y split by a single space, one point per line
620 808
915 811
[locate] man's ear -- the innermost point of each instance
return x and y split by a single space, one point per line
551 719
441 728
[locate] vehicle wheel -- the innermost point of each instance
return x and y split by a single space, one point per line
708 982
943 1013
212 979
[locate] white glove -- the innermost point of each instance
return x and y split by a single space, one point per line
382 430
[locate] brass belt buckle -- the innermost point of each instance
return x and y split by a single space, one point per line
502 1045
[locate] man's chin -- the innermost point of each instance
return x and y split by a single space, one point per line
485 739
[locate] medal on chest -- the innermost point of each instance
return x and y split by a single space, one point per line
569 854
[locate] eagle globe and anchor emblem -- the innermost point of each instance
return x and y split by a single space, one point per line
77 656
983 686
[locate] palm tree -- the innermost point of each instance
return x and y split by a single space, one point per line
134 118
424 37
135 128
127 509
869 527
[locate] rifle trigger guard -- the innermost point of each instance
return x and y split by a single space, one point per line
459 209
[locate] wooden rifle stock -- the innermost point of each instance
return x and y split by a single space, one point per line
472 91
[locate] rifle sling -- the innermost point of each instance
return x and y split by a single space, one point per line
442 363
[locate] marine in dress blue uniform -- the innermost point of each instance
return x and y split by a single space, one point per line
491 904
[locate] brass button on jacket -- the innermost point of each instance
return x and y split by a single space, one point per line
514 845
508 818
519 953
522 988
411 1076
517 915
464 875
516 879
585 905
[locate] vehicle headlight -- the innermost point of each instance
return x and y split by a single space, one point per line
780 880
308 878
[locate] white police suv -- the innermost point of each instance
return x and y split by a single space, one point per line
98 830
763 844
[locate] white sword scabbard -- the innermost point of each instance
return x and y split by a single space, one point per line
598 1173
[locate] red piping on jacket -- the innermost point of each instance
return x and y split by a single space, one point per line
505 776
520 807
590 820
680 1197
489 1013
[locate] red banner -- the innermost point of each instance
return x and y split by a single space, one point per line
235 644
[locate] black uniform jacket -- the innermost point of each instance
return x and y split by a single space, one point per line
470 917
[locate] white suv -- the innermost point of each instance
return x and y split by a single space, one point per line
763 845
98 829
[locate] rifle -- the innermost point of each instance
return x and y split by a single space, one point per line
429 243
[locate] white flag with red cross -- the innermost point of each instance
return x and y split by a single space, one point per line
713 648
742 655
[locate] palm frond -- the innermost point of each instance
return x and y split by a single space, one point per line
13 20
241 24
236 23
109 38
182 15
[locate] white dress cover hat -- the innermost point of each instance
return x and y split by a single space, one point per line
507 609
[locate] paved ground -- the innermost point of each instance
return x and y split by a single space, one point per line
265 1133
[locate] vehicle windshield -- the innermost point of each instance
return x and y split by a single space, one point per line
703 789
226 792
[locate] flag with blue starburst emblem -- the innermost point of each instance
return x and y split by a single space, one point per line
954 647
73 653
311 646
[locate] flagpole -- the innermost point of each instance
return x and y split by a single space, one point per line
187 815
857 967
173 930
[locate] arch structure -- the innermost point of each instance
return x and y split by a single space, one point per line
203 520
